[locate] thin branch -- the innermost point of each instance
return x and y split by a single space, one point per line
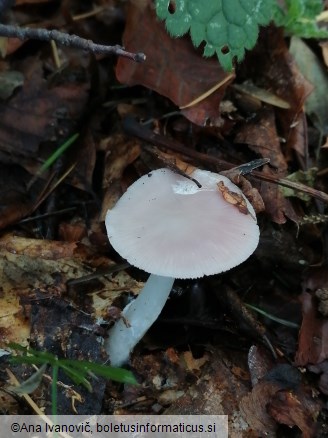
66 39
132 127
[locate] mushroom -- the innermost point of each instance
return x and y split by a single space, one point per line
169 227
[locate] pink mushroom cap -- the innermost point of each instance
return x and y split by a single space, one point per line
166 225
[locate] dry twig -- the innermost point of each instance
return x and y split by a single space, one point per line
66 39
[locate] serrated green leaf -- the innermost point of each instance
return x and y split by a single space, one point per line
264 14
217 32
161 9
295 8
227 27
299 18
178 26
236 34
234 12
198 34
252 35
313 8
225 59
177 23
203 14
209 50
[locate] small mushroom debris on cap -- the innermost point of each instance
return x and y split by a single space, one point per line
168 226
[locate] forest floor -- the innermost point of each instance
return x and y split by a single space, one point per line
250 342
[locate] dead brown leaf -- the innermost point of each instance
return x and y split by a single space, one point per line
173 68
233 198
261 136
277 206
73 232
38 112
271 66
45 249
193 364
313 336
119 153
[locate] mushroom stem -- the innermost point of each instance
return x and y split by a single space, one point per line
137 318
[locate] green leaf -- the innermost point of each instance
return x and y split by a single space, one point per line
30 356
272 317
17 347
77 376
304 177
227 27
29 360
298 17
111 373
78 370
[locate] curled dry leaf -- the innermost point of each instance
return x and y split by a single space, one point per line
233 198
251 193
193 364
262 137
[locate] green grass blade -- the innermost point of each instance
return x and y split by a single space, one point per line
58 153
272 317
117 374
